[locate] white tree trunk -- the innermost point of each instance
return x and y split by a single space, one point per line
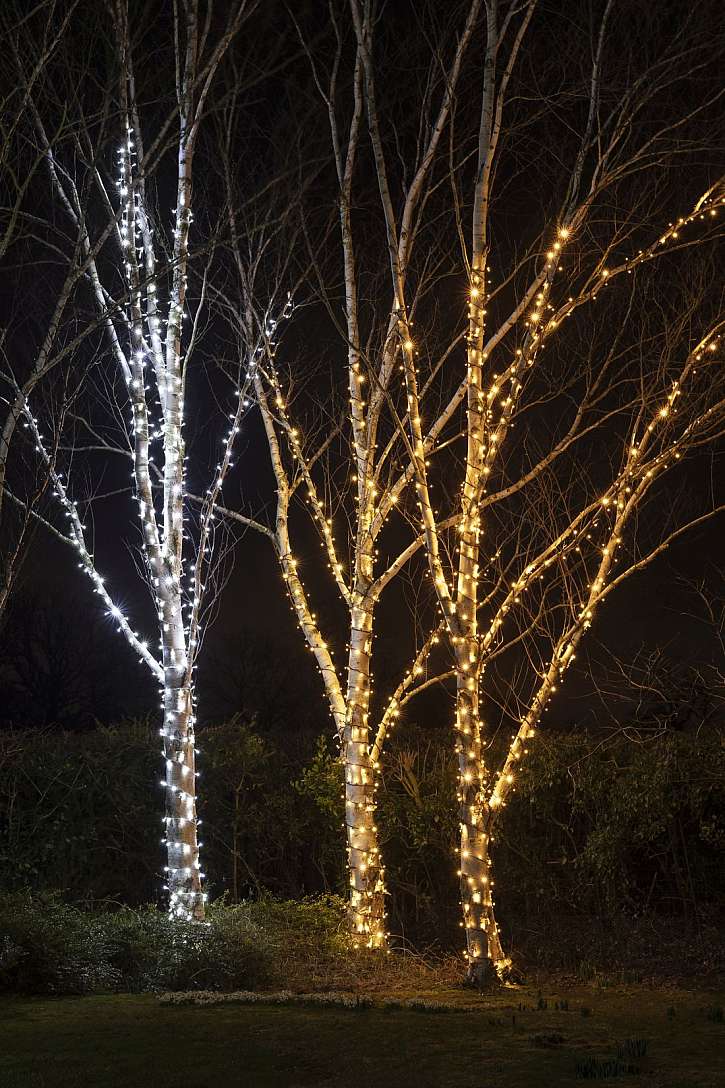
186 899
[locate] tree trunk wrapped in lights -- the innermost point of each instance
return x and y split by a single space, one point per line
145 341
510 434
349 699
541 510
482 937
366 493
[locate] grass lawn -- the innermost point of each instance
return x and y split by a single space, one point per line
124 1041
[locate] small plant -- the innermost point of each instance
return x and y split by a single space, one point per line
604 1069
542 1004
585 1011
553 1039
335 1000
633 1048
671 1013
714 1013
420 1004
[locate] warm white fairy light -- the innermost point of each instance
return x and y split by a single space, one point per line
490 413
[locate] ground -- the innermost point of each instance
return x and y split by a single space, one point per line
511 1039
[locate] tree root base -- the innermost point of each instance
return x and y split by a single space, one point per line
484 975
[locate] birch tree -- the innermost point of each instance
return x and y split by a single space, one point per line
126 268
674 402
557 173
335 451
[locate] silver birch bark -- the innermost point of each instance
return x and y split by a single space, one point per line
510 328
482 790
299 466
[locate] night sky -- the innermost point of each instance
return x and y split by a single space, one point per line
654 609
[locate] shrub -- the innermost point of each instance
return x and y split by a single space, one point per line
604 1069
50 947
316 923
152 952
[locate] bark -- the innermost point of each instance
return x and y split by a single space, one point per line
483 945
186 899
349 709
367 891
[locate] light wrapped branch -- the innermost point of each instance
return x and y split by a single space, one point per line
526 527
137 292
